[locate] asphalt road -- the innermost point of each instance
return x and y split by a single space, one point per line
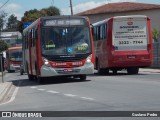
120 92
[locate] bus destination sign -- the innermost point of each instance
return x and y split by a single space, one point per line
61 22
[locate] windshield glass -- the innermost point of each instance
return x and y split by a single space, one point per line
16 55
65 41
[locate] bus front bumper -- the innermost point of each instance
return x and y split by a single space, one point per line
46 71
14 67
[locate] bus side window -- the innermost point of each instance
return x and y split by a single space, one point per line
36 33
105 31
27 40
23 41
94 33
98 33
101 32
30 38
33 37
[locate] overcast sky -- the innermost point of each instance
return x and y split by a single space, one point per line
18 7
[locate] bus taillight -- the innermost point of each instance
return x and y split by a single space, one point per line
112 49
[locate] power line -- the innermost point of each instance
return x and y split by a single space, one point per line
4 4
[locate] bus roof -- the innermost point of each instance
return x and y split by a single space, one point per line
63 16
118 17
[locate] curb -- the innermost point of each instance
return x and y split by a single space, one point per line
4 89
150 70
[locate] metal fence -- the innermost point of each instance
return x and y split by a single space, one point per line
156 55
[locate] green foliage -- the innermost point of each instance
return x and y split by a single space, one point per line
12 23
50 11
32 15
155 34
3 46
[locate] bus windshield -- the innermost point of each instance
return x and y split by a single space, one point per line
16 55
65 40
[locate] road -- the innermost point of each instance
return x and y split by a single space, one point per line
119 92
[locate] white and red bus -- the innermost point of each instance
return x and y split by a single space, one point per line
58 46
122 42
13 58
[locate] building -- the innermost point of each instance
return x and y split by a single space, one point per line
11 38
123 9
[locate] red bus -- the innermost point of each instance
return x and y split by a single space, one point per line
58 46
122 42
13 58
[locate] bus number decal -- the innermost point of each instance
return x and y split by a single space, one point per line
137 42
123 42
131 42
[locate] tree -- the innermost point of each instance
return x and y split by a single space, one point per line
12 23
50 11
155 34
3 46
32 15
2 19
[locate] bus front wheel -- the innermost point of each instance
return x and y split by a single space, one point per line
133 70
40 80
30 77
83 77
114 72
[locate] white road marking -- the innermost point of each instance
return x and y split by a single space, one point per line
33 87
87 98
55 92
70 95
13 95
41 89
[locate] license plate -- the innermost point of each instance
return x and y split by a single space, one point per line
68 70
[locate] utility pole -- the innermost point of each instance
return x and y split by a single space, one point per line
71 7
52 3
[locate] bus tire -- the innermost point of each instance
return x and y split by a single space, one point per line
114 72
83 77
133 70
103 71
30 77
100 70
40 80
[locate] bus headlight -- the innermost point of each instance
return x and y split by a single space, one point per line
88 60
46 62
